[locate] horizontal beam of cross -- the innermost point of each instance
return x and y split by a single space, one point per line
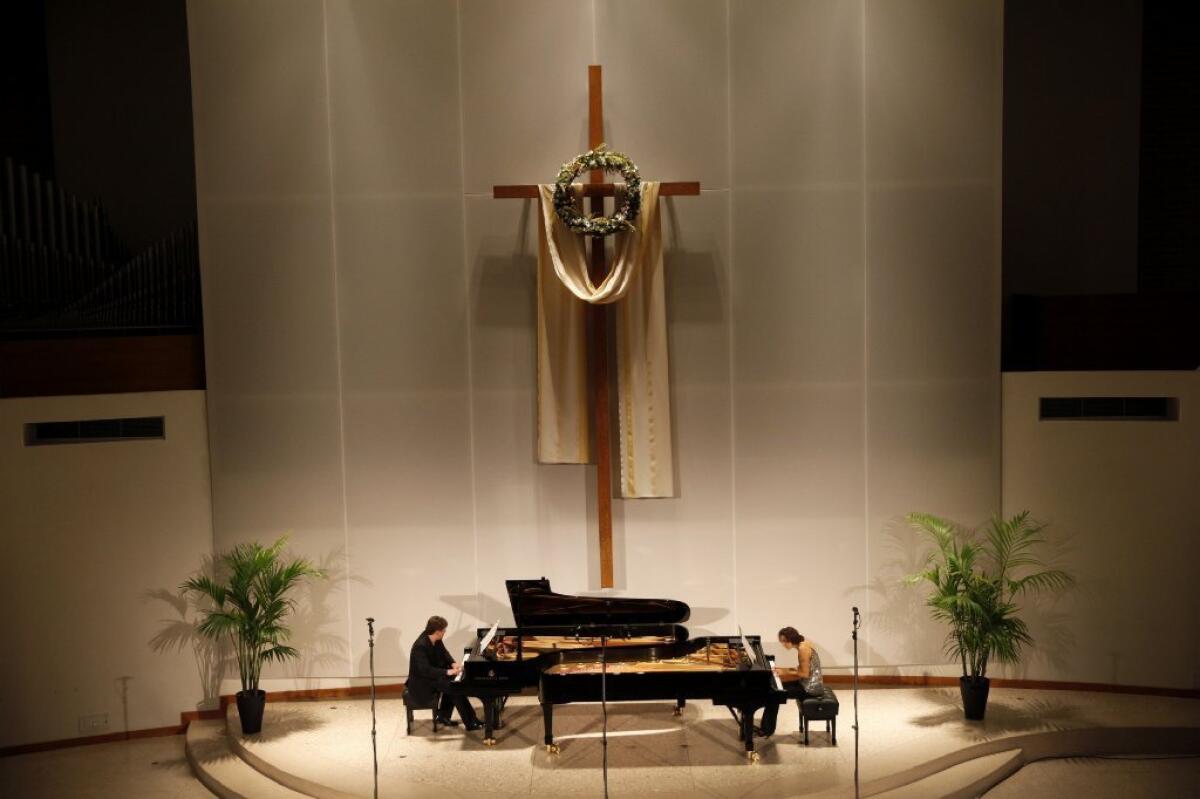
530 191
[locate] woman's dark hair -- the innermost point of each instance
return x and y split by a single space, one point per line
434 624
790 635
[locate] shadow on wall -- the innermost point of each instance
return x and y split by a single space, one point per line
392 644
704 621
320 650
902 616
868 656
696 285
1050 619
473 611
389 648
322 653
506 291
179 634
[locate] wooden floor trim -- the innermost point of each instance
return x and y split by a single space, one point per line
88 740
188 716
185 718
916 681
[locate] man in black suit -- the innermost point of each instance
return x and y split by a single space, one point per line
430 670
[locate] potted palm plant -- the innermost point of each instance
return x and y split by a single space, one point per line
248 600
977 580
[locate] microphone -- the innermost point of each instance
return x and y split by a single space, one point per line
371 625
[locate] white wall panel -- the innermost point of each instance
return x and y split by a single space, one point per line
666 95
402 315
371 308
798 409
393 77
266 254
97 538
934 85
933 107
666 103
796 73
407 436
532 517
681 546
798 317
524 67
1122 507
258 98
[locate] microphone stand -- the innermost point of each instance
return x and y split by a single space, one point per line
374 747
604 688
854 635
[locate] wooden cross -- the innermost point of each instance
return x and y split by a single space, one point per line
597 318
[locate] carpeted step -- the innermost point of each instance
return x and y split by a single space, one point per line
962 780
224 773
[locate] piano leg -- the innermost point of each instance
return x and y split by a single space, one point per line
548 723
489 722
747 719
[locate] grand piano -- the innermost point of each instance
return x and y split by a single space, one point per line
589 649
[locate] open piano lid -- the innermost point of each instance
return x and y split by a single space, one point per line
535 605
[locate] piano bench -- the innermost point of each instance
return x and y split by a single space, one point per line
410 705
820 708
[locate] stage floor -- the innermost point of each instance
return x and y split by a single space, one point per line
324 748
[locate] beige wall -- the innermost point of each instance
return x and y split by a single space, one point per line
92 534
1123 505
369 308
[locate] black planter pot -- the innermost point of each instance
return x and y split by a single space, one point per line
974 696
250 710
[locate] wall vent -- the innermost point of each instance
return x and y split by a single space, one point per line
93 430
1110 409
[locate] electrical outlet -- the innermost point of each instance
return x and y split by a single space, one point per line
93 724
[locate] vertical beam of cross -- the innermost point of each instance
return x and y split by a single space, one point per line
598 346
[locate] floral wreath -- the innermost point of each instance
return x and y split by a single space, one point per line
600 158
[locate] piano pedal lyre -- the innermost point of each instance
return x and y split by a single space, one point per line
552 749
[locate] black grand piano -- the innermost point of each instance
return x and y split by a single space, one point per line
584 648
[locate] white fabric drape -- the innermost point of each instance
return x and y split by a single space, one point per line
636 284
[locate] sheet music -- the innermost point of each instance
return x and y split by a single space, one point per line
487 639
483 645
746 645
775 674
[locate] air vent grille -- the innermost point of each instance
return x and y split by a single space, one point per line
93 430
1111 409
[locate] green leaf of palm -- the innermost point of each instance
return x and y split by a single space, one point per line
252 603
974 582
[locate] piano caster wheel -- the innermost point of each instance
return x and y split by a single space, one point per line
489 741
552 749
754 756
678 711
